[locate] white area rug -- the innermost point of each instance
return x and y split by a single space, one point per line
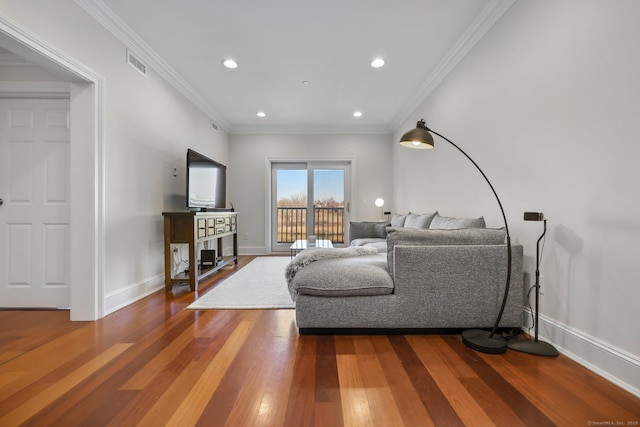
258 285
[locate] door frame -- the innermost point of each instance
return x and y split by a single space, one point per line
349 193
86 93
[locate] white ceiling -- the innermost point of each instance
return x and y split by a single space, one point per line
278 44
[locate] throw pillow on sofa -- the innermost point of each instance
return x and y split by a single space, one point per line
398 220
419 221
450 223
368 230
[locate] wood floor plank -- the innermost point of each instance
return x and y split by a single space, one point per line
196 400
592 389
356 409
497 382
160 398
328 404
469 411
40 401
44 359
87 398
496 409
543 382
383 407
409 402
167 403
267 376
162 358
32 329
227 396
302 398
438 406
278 370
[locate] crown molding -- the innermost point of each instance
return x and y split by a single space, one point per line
310 130
112 22
480 26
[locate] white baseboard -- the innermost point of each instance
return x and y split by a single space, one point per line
611 363
252 250
124 296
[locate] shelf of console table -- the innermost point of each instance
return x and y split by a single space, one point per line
193 228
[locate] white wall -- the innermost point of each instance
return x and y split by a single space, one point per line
148 128
547 104
248 154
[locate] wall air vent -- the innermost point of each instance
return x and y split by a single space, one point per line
136 63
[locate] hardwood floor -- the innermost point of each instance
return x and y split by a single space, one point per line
156 363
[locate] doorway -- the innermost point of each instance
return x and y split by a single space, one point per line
309 198
86 162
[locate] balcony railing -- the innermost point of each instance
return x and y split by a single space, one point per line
328 224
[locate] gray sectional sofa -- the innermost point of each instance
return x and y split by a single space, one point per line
428 274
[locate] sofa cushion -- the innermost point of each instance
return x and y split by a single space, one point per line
431 237
419 221
352 276
368 229
450 223
398 220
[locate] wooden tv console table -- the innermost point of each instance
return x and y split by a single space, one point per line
193 228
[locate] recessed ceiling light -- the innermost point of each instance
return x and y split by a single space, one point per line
357 114
377 63
261 114
230 63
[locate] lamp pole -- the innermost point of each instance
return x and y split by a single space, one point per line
478 339
535 346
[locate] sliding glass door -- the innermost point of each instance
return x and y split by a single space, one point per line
308 198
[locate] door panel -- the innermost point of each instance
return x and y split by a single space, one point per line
328 203
34 218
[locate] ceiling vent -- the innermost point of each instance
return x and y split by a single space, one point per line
136 63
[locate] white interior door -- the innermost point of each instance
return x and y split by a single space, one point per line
34 215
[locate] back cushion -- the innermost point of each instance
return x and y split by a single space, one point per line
415 237
398 220
419 221
449 223
368 230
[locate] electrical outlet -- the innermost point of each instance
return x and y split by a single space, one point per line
175 171
246 236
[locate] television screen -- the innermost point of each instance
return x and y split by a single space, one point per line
206 182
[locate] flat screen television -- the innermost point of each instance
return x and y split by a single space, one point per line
206 183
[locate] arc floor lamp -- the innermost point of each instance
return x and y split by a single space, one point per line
480 340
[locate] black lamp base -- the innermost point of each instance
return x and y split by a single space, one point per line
539 348
481 341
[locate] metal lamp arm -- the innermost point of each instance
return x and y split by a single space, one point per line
504 217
